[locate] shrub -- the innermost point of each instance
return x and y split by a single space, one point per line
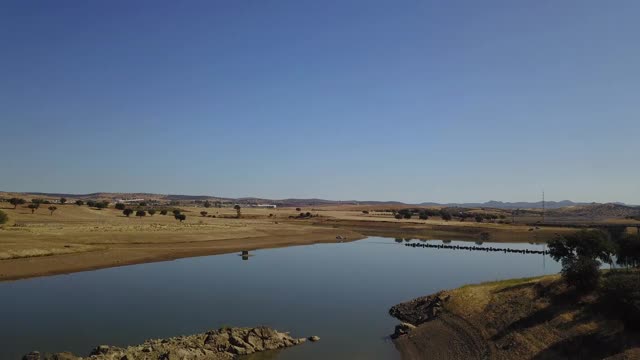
3 217
163 212
16 201
181 217
176 212
63 200
398 216
141 213
79 202
127 212
479 218
446 216
582 273
203 213
620 293
52 209
423 216
151 212
207 204
120 206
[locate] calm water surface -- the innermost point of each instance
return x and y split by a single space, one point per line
340 292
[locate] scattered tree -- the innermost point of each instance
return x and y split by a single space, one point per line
365 212
479 218
181 217
446 216
3 217
176 212
238 213
16 201
151 212
207 204
581 254
298 209
79 202
143 203
63 200
91 203
52 209
127 212
163 212
203 213
33 207
120 206
423 216
102 205
141 213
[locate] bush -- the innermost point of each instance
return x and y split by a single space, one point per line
423 216
163 212
620 293
120 206
398 216
127 212
582 273
151 212
203 213
141 213
181 217
446 216
479 218
79 202
3 217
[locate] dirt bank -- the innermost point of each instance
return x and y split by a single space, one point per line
514 319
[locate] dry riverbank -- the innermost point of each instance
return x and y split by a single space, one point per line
78 238
514 319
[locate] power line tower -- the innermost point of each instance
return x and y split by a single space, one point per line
543 206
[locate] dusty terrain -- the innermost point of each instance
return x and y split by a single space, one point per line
76 238
514 319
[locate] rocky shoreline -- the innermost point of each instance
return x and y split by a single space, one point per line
221 344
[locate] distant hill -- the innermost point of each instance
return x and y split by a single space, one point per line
597 210
550 205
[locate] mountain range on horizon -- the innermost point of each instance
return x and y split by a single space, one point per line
313 201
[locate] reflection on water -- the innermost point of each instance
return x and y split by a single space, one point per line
340 292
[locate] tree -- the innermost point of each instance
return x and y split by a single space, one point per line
63 200
52 209
33 207
298 209
628 250
91 203
479 218
181 217
163 212
446 216
102 205
127 212
141 213
151 212
16 201
398 216
203 213
3 217
143 203
238 213
120 206
176 212
207 204
79 202
423 215
581 254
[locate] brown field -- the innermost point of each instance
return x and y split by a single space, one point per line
77 238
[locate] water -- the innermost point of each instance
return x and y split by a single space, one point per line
340 292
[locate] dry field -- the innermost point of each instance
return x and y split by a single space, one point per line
77 238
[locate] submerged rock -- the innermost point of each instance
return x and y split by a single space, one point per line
221 344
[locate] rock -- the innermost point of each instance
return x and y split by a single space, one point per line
402 329
314 338
420 310
34 355
221 344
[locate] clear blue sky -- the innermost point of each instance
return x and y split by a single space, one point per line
371 100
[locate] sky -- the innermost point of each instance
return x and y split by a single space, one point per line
445 101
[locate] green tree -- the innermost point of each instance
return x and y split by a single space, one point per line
16 201
52 209
141 213
581 254
33 207
63 200
127 212
238 211
181 217
151 212
120 206
79 202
